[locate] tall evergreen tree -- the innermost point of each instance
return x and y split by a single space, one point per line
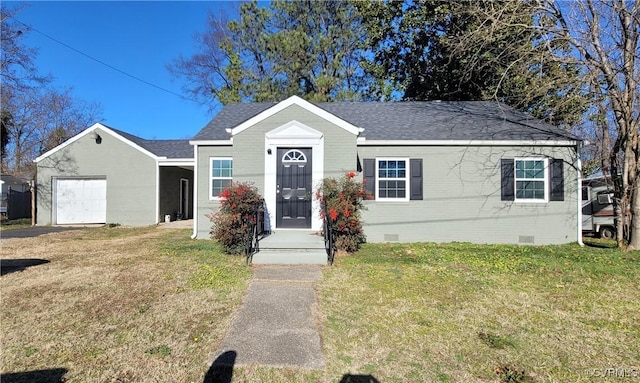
308 48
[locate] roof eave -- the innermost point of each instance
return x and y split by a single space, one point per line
90 130
369 142
211 142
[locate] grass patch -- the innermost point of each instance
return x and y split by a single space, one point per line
600 242
15 224
147 304
162 351
497 341
463 312
118 304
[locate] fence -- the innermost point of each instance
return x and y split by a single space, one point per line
18 204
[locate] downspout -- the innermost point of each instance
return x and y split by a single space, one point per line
195 192
157 191
579 193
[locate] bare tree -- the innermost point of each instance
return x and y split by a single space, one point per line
35 117
604 36
599 38
41 121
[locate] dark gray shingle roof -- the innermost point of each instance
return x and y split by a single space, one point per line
414 120
229 117
161 148
12 180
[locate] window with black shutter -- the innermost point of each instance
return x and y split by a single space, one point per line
393 179
532 179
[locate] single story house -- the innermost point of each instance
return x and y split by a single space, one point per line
438 171
103 175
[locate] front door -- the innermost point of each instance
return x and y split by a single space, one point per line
293 188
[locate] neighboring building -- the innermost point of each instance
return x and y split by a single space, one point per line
439 171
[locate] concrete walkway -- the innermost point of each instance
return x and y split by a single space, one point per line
277 324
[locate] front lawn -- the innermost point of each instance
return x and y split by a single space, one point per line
115 305
151 305
474 313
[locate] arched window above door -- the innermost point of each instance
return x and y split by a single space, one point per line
294 156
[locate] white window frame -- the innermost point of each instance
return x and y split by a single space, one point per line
212 178
406 179
544 179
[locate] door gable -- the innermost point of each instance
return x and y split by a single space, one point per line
295 100
294 130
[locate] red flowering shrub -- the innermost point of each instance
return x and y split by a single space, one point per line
343 198
237 204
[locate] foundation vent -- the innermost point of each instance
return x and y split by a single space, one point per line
529 239
391 238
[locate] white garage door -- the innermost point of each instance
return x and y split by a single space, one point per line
81 201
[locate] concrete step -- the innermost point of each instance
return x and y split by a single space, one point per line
292 239
290 257
291 247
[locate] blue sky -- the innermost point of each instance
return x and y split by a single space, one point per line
139 38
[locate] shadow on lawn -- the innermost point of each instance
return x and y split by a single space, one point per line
12 265
348 378
221 370
54 375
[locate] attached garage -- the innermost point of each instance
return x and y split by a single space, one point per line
106 176
80 201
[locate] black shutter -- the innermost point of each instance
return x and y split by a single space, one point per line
556 177
416 179
507 180
369 176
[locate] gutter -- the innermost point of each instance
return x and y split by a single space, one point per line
195 191
579 193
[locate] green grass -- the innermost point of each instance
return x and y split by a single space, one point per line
118 304
145 304
463 312
15 224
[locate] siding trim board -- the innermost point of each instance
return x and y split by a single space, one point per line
362 141
177 162
228 142
194 234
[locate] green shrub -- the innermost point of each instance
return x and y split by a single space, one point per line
343 198
237 204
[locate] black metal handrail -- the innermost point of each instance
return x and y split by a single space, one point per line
329 235
255 229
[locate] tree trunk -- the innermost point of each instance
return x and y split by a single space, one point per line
634 235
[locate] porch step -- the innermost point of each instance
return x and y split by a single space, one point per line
290 257
291 247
